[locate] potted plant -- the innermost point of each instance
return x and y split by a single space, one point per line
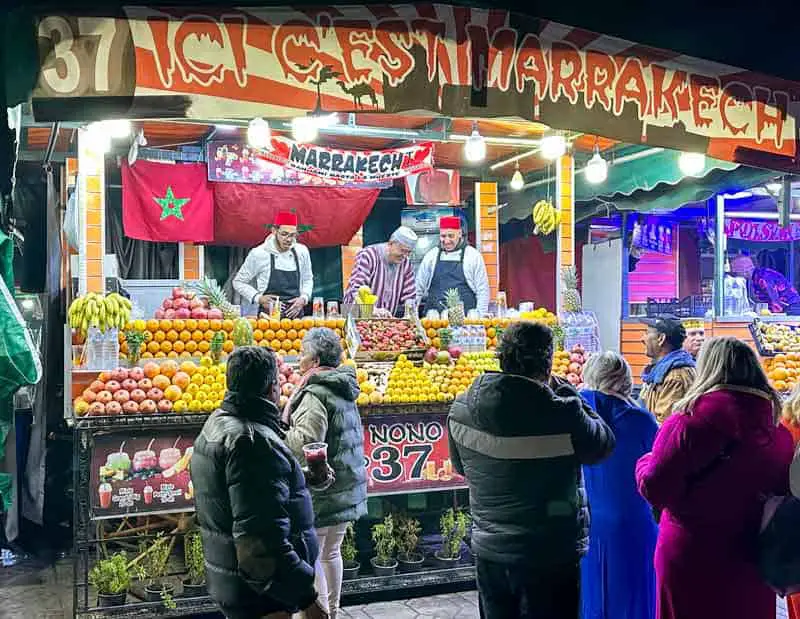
153 558
383 563
407 532
112 579
453 525
349 554
195 560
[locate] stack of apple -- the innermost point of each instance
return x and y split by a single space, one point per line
131 391
186 304
569 364
289 379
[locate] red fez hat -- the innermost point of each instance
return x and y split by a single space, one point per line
285 218
450 223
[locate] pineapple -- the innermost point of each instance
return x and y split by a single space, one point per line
569 294
216 346
209 289
455 308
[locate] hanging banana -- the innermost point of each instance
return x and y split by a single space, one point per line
545 218
101 312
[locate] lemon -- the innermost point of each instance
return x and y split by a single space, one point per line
195 406
197 379
362 400
206 362
208 406
202 395
181 406
193 388
187 397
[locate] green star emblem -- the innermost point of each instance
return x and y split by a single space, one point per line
170 205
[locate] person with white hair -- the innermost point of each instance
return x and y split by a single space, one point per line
617 575
387 270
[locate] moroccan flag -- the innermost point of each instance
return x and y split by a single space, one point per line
167 202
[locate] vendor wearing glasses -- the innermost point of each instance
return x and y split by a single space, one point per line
279 267
386 269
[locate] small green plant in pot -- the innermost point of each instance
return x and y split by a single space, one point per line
453 526
407 532
195 560
350 554
112 579
384 563
152 569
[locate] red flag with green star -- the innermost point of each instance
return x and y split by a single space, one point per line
167 202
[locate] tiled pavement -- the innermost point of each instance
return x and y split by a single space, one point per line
45 592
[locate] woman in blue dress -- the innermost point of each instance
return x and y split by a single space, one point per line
617 574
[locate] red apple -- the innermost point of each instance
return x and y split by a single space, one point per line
130 407
178 293
104 397
199 313
167 304
159 314
122 396
96 409
169 314
113 408
97 386
575 368
136 374
129 384
164 406
113 386
104 377
576 358
183 313
147 407
145 384
137 395
215 314
155 394
195 303
119 374
574 379
180 304
89 395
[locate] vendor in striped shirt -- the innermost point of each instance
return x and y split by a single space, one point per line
386 269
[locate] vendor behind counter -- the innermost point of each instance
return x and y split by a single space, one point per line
767 286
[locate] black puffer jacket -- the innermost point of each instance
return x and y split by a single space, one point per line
254 513
521 447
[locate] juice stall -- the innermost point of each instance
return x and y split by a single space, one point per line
338 115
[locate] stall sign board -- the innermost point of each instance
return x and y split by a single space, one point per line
139 473
234 162
408 453
761 231
456 61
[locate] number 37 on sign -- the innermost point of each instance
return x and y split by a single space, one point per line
408 453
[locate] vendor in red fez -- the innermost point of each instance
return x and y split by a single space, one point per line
279 267
454 264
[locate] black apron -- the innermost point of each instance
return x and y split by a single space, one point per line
450 274
283 284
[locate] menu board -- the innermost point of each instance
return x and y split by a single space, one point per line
142 473
408 453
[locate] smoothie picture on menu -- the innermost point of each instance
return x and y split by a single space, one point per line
155 477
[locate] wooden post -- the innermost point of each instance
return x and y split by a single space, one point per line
565 235
487 234
349 252
92 202
191 261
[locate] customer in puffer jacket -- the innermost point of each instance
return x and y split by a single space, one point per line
252 505
520 438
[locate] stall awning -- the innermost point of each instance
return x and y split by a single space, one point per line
650 183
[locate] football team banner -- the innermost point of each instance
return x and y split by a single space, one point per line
408 453
233 162
349 167
278 62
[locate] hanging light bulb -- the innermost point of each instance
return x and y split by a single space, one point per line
692 163
98 138
596 170
118 128
304 129
517 181
258 133
553 145
475 146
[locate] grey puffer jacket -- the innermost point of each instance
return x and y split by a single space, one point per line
325 410
520 446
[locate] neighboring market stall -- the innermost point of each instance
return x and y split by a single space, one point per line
399 95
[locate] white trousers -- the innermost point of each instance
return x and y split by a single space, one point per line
328 568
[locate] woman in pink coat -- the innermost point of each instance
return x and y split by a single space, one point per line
711 467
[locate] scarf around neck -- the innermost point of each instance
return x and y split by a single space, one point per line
287 410
655 373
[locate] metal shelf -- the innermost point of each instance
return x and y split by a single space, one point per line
423 578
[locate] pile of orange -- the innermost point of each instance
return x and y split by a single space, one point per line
179 338
783 371
491 325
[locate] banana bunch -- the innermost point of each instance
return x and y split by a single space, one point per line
365 296
102 312
545 218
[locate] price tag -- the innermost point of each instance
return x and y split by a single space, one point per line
351 337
